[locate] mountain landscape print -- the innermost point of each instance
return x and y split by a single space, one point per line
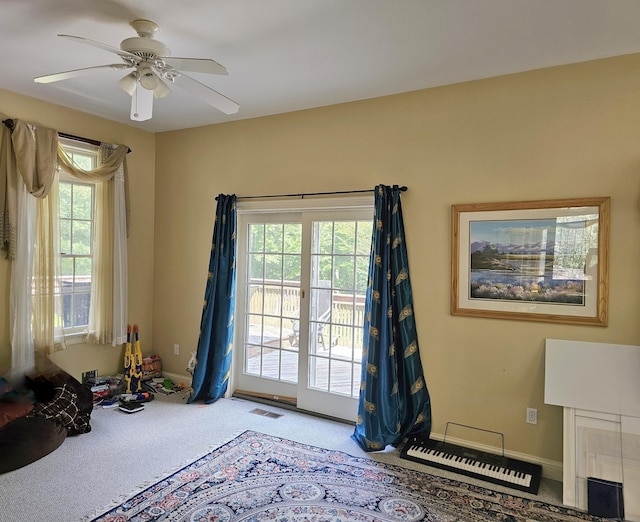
523 260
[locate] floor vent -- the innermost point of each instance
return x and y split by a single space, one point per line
266 413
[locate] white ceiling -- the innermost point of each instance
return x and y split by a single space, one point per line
286 55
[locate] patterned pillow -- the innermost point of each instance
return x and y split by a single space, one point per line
63 409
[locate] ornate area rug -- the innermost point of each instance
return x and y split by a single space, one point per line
258 477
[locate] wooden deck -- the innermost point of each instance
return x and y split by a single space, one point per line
333 367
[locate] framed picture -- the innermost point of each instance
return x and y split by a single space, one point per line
531 260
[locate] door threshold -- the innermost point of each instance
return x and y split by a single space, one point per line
291 404
279 399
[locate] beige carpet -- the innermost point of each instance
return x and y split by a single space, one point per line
123 452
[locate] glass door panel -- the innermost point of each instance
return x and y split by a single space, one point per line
338 279
302 282
271 296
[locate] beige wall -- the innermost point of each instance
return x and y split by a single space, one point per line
557 133
141 163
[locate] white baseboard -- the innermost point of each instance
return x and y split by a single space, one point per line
551 469
176 377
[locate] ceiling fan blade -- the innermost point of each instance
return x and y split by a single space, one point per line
100 45
141 103
77 72
210 96
200 65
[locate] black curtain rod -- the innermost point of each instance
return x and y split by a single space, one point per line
303 195
9 124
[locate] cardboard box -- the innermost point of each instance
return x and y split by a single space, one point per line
151 367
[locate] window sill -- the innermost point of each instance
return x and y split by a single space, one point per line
74 338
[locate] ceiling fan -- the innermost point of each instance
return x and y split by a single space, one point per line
153 67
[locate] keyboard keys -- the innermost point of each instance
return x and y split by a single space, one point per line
471 466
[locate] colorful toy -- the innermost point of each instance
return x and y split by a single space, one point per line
133 362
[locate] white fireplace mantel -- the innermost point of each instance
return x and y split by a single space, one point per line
598 385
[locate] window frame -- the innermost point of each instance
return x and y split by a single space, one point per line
77 334
269 211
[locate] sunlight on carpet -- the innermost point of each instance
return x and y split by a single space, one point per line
258 477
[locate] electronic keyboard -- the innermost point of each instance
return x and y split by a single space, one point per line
498 469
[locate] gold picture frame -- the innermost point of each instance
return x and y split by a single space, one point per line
544 260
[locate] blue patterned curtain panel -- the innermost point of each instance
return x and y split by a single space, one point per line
394 400
211 373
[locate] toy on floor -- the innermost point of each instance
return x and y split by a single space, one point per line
191 366
133 362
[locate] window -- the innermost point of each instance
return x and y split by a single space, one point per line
77 204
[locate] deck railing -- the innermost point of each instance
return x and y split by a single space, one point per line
281 304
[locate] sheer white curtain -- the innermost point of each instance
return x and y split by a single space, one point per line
108 317
47 301
22 358
29 157
108 309
17 232
120 264
31 175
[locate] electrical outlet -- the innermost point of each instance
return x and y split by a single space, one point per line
176 349
532 416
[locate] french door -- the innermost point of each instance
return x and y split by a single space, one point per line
301 284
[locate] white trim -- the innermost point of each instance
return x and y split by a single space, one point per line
71 338
77 334
568 441
79 146
81 149
177 378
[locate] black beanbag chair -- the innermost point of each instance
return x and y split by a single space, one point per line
27 439
62 407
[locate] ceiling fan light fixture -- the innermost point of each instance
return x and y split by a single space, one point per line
148 78
128 83
161 90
